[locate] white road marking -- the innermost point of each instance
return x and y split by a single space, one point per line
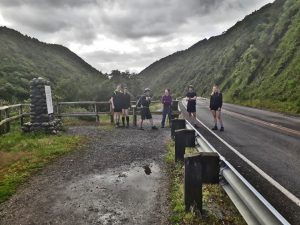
282 189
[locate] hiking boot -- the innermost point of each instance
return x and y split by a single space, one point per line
222 129
215 128
154 128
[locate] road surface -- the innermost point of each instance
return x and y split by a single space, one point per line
269 140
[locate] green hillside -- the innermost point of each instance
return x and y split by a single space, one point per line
23 58
256 62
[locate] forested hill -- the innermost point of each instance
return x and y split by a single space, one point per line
256 62
23 58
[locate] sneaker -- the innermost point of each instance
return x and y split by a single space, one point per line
154 128
127 126
222 129
141 128
215 128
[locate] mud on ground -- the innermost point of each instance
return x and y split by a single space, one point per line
116 178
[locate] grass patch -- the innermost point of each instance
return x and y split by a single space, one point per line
218 209
23 154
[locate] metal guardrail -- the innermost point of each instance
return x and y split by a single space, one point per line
254 208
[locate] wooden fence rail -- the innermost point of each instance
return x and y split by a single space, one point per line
92 108
7 116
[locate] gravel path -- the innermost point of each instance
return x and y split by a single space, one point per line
105 182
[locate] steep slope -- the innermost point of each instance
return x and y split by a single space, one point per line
256 62
23 58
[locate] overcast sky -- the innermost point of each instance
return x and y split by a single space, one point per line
124 34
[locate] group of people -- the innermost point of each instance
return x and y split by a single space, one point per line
121 103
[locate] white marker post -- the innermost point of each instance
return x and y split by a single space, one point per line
49 99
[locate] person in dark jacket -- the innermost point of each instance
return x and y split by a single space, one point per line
216 102
144 102
125 107
116 103
191 98
166 100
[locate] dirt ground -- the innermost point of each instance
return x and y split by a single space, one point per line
116 178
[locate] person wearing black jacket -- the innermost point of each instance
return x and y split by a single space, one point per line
144 103
116 103
125 106
191 98
216 102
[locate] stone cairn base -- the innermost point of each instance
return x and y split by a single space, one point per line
40 120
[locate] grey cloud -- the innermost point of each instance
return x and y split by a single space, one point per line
176 24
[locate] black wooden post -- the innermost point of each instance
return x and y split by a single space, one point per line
176 125
21 114
183 138
210 167
199 168
8 123
193 182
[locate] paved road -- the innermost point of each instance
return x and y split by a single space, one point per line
270 140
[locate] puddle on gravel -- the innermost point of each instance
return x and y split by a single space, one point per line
125 195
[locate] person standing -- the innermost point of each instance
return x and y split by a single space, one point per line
191 98
144 102
116 103
125 107
166 100
216 102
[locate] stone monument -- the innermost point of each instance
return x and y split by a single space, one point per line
41 108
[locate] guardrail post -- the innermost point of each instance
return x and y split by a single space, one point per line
96 112
134 120
183 138
199 168
21 114
8 123
210 167
193 182
175 125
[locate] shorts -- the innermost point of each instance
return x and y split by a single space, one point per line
215 108
125 106
191 108
117 109
145 114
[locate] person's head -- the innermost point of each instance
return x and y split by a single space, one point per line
215 89
167 91
190 88
147 91
119 87
125 90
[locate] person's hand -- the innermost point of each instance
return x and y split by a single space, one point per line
219 109
113 107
